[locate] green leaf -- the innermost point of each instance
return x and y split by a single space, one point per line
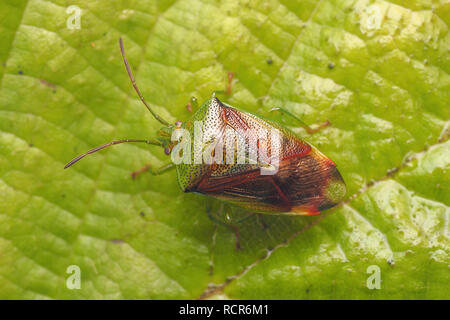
377 70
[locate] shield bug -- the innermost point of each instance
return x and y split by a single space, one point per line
243 159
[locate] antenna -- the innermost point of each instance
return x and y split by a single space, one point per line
133 82
103 146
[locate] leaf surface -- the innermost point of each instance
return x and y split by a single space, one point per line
377 70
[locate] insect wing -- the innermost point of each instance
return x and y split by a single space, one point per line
306 181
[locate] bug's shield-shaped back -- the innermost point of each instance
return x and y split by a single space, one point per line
287 175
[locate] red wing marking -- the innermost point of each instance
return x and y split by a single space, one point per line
235 116
331 162
208 184
229 113
300 154
305 211
282 195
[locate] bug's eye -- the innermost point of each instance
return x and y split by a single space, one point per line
178 124
167 150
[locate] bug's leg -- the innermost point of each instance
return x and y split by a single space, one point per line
216 220
154 172
145 168
308 129
236 234
230 83
261 221
228 87
192 104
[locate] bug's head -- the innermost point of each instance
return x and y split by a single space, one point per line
164 135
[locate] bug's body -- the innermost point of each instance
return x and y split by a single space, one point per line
306 181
